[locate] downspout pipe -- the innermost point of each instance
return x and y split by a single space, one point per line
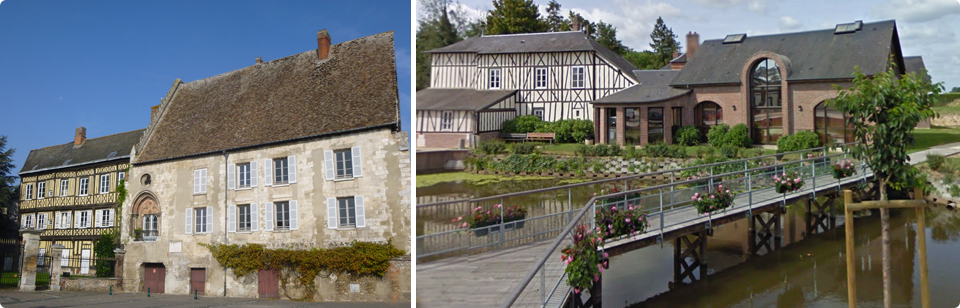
226 219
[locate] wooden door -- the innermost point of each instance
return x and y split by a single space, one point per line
198 279
268 284
153 277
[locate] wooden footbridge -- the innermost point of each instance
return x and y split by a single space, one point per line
529 281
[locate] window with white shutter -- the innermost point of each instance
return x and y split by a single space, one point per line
293 215
357 162
328 165
104 183
253 174
99 220
292 168
189 221
267 173
232 218
231 176
41 190
268 221
331 213
209 226
254 213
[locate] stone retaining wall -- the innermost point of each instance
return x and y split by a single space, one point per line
88 284
613 166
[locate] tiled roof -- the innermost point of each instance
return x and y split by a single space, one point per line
285 99
459 99
92 150
654 87
915 65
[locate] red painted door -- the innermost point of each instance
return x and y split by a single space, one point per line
268 284
198 279
153 277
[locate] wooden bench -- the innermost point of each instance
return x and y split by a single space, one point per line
541 137
513 137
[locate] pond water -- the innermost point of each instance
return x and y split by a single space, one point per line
809 271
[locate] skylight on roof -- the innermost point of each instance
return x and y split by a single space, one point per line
734 38
112 154
848 28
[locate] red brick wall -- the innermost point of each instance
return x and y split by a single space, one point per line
808 96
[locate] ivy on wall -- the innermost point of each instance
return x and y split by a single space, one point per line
359 258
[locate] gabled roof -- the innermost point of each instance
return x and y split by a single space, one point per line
915 65
654 86
285 99
91 151
537 42
459 99
812 55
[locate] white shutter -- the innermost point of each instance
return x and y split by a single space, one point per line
231 176
76 221
99 212
189 221
328 165
357 162
254 212
196 181
89 217
292 167
253 174
267 173
268 222
361 217
111 217
68 220
331 213
293 215
232 218
209 220
203 181
56 224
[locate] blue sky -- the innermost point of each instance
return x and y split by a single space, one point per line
102 64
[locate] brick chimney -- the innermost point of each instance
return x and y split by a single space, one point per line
80 137
693 43
259 60
575 26
153 113
323 44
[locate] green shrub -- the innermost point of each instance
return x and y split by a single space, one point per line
799 141
717 135
703 152
599 150
492 147
568 131
936 161
524 148
729 151
751 152
738 136
688 135
663 150
522 124
954 190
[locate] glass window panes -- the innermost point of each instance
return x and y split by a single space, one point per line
243 175
200 220
84 184
494 78
631 133
282 213
655 125
541 77
348 213
578 77
281 174
446 120
104 183
243 217
344 164
41 187
150 230
64 186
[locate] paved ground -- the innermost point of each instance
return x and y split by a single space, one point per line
140 300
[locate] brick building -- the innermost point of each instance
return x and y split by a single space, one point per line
776 84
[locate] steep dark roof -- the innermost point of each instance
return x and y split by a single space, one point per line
915 65
536 42
812 55
284 99
459 99
654 87
679 59
92 150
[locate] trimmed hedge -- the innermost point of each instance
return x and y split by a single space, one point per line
738 136
521 124
799 141
566 131
717 134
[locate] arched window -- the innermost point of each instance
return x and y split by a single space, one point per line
146 218
766 102
706 115
830 125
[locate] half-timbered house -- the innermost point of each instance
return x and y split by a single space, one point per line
775 84
69 191
555 75
301 152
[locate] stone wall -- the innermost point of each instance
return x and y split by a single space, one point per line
88 284
615 166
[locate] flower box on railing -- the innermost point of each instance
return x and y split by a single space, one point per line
717 200
788 182
483 222
843 168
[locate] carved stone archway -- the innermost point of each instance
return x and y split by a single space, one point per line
145 205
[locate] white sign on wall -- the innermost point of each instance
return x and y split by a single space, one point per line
176 246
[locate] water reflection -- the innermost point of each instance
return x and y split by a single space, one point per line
810 271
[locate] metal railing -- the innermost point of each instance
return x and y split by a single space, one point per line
558 206
668 208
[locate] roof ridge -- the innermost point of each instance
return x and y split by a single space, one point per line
62 144
805 31
532 33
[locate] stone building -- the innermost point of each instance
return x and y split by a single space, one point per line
775 84
478 83
69 192
300 152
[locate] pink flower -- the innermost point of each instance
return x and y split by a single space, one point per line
693 198
576 290
606 255
628 220
596 277
614 208
497 206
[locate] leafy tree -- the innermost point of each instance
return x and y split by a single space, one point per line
436 29
514 16
664 41
555 20
606 35
883 111
955 90
7 191
644 60
103 248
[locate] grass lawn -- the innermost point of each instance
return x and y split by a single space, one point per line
11 279
560 148
425 180
932 137
947 109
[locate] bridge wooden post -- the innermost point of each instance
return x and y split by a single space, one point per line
695 249
851 270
